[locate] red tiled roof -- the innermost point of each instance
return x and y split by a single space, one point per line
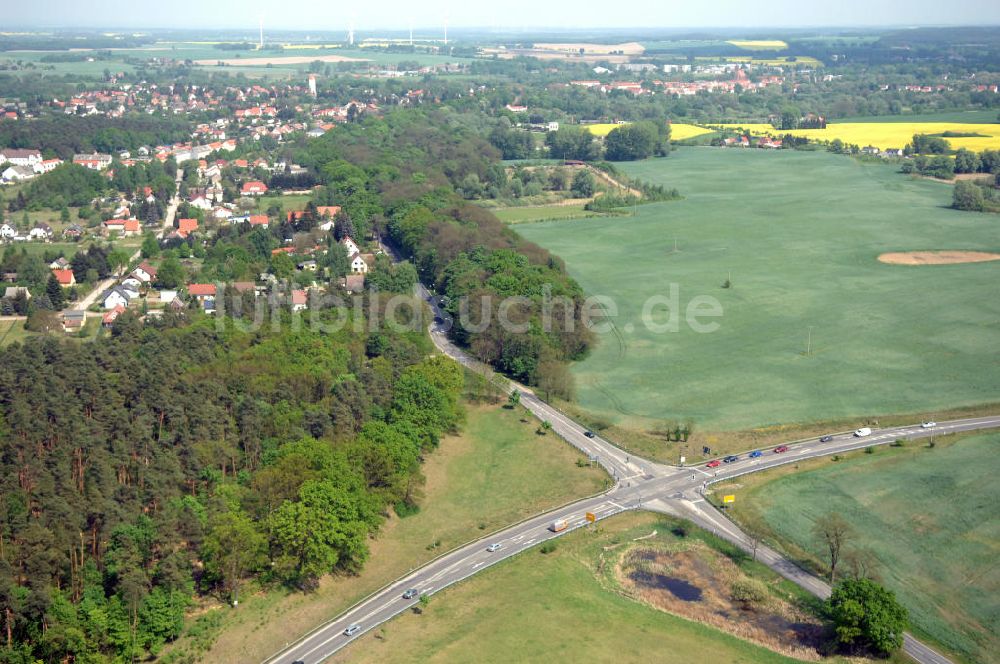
201 290
65 277
187 225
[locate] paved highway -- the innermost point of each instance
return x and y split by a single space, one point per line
639 484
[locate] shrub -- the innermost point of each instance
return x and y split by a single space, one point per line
548 547
751 592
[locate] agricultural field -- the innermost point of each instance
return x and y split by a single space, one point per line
681 132
760 44
678 130
814 327
559 606
496 472
601 129
525 215
11 331
926 514
975 136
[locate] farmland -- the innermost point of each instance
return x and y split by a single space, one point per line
760 44
554 607
883 135
926 514
522 215
678 131
804 269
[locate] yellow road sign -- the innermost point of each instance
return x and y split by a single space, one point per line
591 517
729 499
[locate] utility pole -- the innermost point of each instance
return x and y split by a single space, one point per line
809 339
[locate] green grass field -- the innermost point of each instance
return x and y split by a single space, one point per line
524 215
927 514
11 331
545 608
799 234
497 472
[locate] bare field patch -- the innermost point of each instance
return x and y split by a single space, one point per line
936 257
278 60
697 583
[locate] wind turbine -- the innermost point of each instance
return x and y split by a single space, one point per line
350 32
261 47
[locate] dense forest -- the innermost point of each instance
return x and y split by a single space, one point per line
178 458
65 135
400 175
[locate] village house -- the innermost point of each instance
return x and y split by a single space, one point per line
21 157
73 320
17 174
349 244
123 227
144 272
299 300
65 277
7 232
41 232
187 226
362 263
253 188
202 292
115 297
109 318
95 161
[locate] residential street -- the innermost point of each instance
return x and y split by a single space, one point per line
168 222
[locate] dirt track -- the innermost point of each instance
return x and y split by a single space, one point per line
936 257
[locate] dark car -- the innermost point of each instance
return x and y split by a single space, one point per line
755 454
780 448
731 458
411 593
714 463
826 439
588 434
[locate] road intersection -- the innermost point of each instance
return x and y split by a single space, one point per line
638 484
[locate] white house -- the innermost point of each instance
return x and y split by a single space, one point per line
201 203
167 296
7 231
17 173
116 297
358 264
144 273
22 157
131 285
350 245
40 232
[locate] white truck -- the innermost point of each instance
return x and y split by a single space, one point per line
558 525
862 432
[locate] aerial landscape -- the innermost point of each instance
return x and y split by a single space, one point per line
515 333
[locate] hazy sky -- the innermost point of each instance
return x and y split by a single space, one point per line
374 14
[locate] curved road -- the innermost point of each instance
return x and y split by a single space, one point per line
639 484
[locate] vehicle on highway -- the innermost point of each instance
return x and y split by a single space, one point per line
755 454
352 630
826 439
558 525
494 547
862 432
714 463
588 434
731 458
928 425
411 593
780 448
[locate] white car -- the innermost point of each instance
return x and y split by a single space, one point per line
352 630
862 432
493 548
928 425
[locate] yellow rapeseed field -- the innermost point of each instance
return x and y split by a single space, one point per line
885 135
759 45
679 132
600 129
